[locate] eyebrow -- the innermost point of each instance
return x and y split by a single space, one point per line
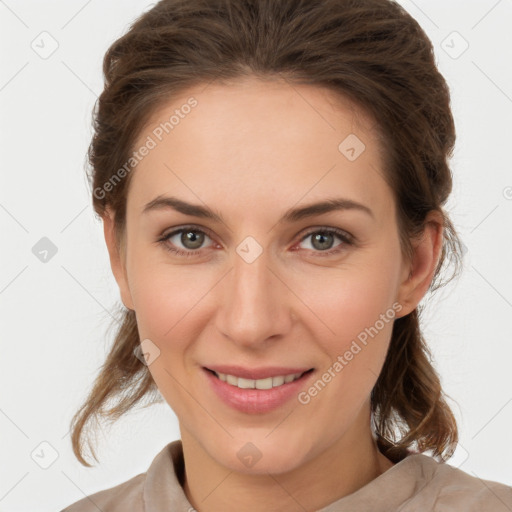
291 215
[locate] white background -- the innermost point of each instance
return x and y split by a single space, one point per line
55 315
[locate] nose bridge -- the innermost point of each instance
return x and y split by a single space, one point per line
253 306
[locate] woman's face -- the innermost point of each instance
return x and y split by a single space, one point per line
263 284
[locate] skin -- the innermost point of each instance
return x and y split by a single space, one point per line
251 150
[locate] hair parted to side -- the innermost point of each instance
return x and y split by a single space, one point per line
369 51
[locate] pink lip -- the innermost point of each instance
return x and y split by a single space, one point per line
256 401
256 373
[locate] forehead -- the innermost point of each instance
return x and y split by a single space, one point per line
254 142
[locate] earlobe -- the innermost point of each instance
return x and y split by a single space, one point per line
418 274
117 259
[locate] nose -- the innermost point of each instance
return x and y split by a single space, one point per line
254 303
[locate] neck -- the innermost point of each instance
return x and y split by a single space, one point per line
351 462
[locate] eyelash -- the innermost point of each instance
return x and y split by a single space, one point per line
342 235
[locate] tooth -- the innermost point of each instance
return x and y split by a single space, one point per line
231 379
267 383
277 381
245 383
264 383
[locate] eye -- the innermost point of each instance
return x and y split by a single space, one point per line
323 239
190 237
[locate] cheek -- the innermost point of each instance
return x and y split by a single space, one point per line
357 307
164 295
360 315
348 305
167 301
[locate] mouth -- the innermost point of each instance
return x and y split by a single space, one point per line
275 388
270 382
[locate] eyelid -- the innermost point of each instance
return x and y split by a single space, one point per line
312 229
191 227
327 229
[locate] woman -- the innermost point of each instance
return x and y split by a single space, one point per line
271 176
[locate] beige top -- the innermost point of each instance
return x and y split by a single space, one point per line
418 483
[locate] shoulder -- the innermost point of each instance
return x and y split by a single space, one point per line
120 498
448 488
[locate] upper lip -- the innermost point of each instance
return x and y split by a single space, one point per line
256 373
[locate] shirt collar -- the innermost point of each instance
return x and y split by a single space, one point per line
163 489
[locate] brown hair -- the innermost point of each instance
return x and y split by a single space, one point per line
369 51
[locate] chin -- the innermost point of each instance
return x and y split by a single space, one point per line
260 457
272 464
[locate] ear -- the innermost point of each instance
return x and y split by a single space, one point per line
418 273
117 259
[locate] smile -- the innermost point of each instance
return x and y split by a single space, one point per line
257 396
268 383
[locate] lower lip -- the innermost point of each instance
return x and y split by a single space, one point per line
256 401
